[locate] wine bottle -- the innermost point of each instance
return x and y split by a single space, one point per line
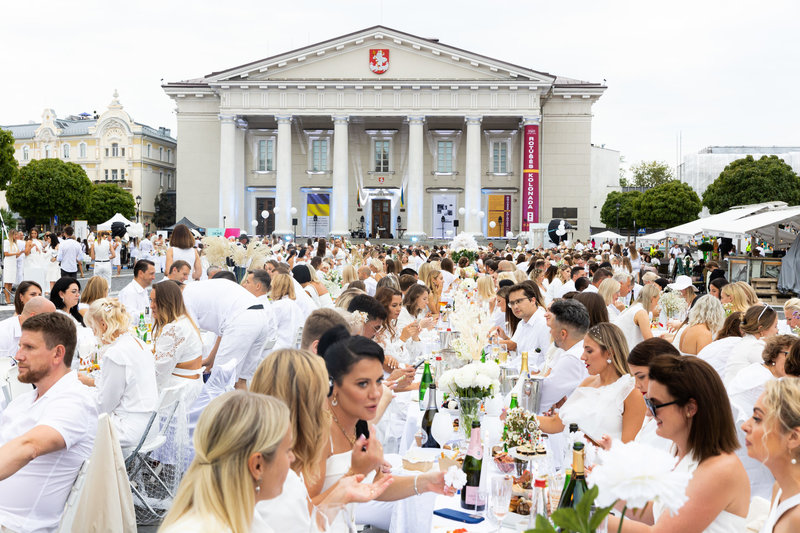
426 380
514 403
523 369
427 419
472 468
141 329
577 484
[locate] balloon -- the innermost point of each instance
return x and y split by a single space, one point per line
293 210
276 209
442 427
264 214
254 223
461 211
510 235
474 212
481 214
492 224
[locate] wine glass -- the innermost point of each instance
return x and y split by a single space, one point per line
500 497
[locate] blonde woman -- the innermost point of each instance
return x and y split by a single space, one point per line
435 283
606 404
96 288
377 266
738 296
243 450
635 320
300 379
705 320
422 273
609 291
116 247
288 314
126 386
487 293
325 299
349 274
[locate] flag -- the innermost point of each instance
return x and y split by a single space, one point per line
402 198
358 196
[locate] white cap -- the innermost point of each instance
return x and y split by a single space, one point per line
681 282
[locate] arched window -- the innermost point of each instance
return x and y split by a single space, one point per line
114 150
82 150
26 155
65 151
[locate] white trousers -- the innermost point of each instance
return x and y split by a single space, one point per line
103 269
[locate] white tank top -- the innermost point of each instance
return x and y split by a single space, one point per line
102 251
184 254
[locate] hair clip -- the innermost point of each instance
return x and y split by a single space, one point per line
108 307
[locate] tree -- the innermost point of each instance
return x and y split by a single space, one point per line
49 187
750 181
164 210
666 205
627 202
8 163
107 200
650 174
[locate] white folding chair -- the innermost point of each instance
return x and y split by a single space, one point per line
13 387
70 507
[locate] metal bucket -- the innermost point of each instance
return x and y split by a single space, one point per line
508 379
530 397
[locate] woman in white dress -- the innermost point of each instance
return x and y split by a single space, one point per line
289 317
403 345
759 323
53 267
606 403
778 361
181 247
101 253
314 289
773 440
415 307
299 379
20 257
688 401
243 450
96 288
635 320
706 317
609 291
10 253
324 296
116 263
36 262
562 275
126 385
716 354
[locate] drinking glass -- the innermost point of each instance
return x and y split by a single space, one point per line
500 497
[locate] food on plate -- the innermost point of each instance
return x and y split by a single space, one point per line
446 460
416 462
520 505
504 462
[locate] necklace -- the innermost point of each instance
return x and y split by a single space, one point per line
352 440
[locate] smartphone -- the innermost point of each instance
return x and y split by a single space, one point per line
362 428
452 514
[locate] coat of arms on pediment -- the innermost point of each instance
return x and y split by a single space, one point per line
379 60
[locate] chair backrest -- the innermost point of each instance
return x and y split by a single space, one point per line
167 404
15 386
70 506
221 380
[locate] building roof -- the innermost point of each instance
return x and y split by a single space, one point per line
767 150
77 128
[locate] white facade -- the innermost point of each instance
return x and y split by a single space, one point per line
701 169
605 179
440 129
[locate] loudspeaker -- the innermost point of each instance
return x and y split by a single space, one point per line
294 222
455 223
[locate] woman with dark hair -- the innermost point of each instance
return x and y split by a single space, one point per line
716 354
355 367
715 287
25 291
399 343
759 323
415 305
322 248
314 289
596 306
688 401
181 247
66 295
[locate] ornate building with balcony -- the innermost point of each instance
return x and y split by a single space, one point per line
110 147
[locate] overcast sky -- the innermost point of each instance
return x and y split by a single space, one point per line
719 72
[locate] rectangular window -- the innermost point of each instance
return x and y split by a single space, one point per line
160 179
82 149
169 180
106 174
123 152
160 154
122 174
499 157
319 155
169 156
266 155
149 146
114 174
381 156
115 150
66 151
106 152
444 157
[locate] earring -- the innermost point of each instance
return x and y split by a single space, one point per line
335 401
258 486
608 361
794 461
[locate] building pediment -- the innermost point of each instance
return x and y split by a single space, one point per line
403 57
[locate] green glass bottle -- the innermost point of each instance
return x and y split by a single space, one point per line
514 403
426 380
483 355
577 484
472 468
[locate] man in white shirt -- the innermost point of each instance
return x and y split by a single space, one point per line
568 321
135 296
365 275
532 332
47 433
625 287
228 310
579 246
569 286
597 279
11 327
69 253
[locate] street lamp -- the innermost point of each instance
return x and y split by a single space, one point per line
618 206
138 207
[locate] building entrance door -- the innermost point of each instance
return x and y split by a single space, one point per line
381 218
267 226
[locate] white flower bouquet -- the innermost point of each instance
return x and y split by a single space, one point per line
672 303
471 384
217 250
464 245
473 322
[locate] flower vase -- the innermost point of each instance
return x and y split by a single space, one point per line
469 411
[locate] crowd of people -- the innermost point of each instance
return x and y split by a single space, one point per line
319 339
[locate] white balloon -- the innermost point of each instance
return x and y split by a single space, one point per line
461 211
254 223
276 209
481 214
510 235
449 232
293 210
264 214
492 224
442 427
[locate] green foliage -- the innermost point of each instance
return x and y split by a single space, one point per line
651 174
48 187
750 181
164 210
9 217
469 254
577 520
667 205
106 200
8 163
627 204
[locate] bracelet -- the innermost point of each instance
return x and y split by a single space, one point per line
415 485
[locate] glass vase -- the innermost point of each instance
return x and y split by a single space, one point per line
469 411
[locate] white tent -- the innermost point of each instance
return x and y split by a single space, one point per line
696 227
765 226
652 238
116 218
608 235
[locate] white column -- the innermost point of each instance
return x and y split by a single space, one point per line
472 179
340 198
239 184
414 195
227 170
283 178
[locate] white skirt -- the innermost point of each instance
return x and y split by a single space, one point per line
10 270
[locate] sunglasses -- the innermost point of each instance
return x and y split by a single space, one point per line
653 406
762 312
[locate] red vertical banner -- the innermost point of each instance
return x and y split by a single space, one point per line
506 214
530 176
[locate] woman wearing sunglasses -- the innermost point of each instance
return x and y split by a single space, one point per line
688 401
791 310
773 438
759 323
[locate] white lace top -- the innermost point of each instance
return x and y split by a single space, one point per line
598 410
178 342
625 322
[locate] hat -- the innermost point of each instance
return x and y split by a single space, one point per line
681 282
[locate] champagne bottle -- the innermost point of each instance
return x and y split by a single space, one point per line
426 380
514 403
472 468
427 419
141 329
523 369
577 484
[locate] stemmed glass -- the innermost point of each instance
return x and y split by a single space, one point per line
500 497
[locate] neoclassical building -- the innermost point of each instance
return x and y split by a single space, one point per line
110 147
385 131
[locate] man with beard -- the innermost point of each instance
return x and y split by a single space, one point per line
47 433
